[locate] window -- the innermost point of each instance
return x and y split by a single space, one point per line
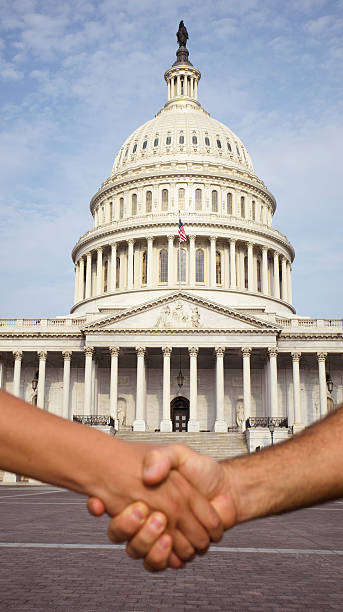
229 203
181 199
238 151
243 207
181 266
111 210
134 148
163 266
168 140
245 272
219 144
148 201
194 140
182 89
253 210
214 201
156 142
144 267
134 204
145 144
164 199
181 139
198 199
229 147
121 208
218 268
126 152
207 141
199 266
258 274
117 271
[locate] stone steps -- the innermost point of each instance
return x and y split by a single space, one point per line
216 445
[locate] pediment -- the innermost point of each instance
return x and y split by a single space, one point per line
179 311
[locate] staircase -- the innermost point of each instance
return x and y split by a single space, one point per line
216 445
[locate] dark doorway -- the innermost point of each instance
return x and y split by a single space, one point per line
180 413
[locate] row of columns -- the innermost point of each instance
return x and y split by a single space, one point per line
166 424
83 281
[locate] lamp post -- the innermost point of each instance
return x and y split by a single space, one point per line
271 428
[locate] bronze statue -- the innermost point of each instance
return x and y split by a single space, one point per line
182 35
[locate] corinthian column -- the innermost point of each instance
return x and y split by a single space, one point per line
89 352
246 352
192 260
99 272
114 350
265 270
18 355
250 267
150 263
322 383
273 381
76 293
41 378
213 261
112 283
284 279
289 282
233 282
220 424
89 275
66 385
193 424
171 279
130 264
81 277
166 424
276 275
139 422
298 422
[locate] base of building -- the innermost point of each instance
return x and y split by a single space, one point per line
139 425
193 426
220 427
166 425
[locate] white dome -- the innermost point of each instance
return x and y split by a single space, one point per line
184 131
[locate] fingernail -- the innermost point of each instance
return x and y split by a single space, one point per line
157 522
138 513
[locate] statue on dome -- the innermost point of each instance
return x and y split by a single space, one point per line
182 35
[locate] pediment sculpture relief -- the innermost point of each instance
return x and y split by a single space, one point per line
177 315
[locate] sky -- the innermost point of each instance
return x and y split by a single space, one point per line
76 78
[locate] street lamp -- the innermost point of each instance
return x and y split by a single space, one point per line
329 382
180 377
35 383
271 428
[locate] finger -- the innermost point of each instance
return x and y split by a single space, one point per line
126 524
182 548
140 545
207 516
95 506
158 462
158 557
174 562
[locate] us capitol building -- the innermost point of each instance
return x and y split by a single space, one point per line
197 336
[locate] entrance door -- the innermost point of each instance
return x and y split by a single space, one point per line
180 413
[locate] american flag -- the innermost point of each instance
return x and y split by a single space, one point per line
182 233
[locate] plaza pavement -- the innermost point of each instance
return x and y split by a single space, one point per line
54 556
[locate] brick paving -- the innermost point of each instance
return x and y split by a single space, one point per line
104 579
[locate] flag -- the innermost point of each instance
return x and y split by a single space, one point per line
182 233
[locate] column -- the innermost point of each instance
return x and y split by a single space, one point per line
192 261
246 352
241 257
273 381
99 271
166 424
139 422
89 275
298 422
41 378
130 264
213 261
171 274
89 352
18 355
114 350
233 283
81 278
284 279
76 293
151 262
265 270
220 424
66 413
1 372
289 282
276 275
193 424
322 383
113 267
250 267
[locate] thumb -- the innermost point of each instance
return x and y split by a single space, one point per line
159 461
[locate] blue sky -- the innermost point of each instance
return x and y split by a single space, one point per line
77 78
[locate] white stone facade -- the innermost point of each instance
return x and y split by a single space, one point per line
219 308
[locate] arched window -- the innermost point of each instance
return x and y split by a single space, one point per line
246 272
198 199
243 207
134 204
134 148
144 267
219 144
168 140
111 210
199 266
214 201
145 144
229 203
181 266
163 276
229 146
121 208
258 275
194 140
117 271
148 201
181 198
181 139
253 210
156 142
127 152
164 199
105 279
238 151
218 268
207 141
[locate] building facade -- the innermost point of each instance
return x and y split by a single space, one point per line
194 336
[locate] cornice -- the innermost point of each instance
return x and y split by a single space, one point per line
181 331
312 336
43 335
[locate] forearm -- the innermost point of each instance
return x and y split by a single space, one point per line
305 470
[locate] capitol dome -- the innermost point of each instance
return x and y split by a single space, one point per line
183 163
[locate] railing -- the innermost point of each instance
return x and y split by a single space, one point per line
309 322
93 419
266 421
42 322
